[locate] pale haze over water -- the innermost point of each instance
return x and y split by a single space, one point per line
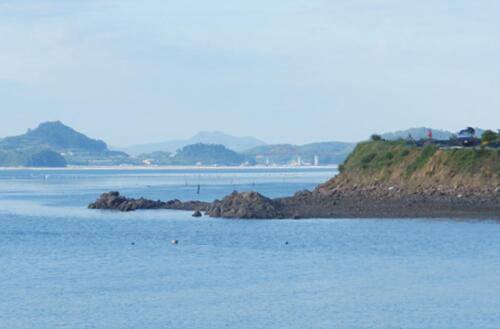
131 72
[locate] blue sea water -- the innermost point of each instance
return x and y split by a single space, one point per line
64 266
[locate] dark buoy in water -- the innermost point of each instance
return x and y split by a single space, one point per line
286 242
174 242
133 243
198 189
197 213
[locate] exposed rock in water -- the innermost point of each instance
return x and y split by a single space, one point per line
244 205
115 201
335 203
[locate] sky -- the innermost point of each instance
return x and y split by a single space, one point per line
285 71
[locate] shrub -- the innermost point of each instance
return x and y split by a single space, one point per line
376 137
368 158
489 136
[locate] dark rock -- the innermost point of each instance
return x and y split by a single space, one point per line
114 201
373 202
244 205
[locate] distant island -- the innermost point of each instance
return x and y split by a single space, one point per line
53 144
380 178
197 154
237 144
422 133
310 154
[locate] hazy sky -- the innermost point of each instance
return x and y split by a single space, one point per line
281 70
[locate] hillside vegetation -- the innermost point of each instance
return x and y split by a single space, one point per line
397 164
31 158
53 144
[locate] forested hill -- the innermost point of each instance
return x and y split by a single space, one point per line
53 144
56 136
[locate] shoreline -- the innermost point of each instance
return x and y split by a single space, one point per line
131 168
315 205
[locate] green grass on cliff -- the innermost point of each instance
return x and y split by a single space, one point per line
376 155
387 156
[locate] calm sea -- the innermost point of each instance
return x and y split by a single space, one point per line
63 266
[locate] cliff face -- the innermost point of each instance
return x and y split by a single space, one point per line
395 165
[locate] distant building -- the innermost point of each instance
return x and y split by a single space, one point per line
299 161
316 160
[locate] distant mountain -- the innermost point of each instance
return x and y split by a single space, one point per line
326 153
56 136
208 154
41 143
419 133
234 143
196 154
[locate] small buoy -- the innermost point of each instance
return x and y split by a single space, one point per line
174 242
286 242
133 243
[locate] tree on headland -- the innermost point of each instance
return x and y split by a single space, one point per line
376 137
489 136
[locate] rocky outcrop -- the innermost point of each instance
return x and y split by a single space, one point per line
353 202
379 180
245 205
115 201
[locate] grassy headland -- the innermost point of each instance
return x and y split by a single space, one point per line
379 179
396 163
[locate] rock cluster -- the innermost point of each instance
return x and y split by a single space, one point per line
245 205
335 201
115 201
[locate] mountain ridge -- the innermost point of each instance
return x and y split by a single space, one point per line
238 144
422 133
55 135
